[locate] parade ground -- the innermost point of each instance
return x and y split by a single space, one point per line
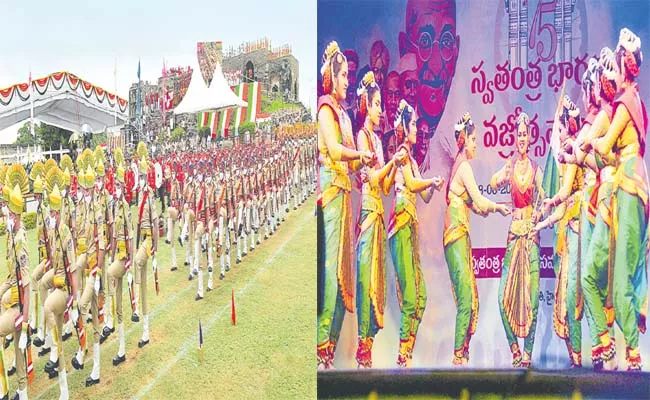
267 354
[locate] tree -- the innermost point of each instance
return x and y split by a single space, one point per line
52 137
25 137
177 134
47 136
247 127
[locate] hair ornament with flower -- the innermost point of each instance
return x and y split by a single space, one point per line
570 116
460 129
367 82
608 70
629 47
331 50
403 105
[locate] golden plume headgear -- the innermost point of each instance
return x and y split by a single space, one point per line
401 108
100 170
66 163
5 188
49 163
55 199
332 50
38 169
118 156
142 150
100 156
55 182
89 177
143 167
18 182
85 160
38 185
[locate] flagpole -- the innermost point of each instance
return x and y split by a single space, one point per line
31 107
115 83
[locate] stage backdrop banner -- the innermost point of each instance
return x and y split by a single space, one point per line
494 59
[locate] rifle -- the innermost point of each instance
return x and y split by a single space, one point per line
153 252
100 300
27 353
79 326
47 254
127 264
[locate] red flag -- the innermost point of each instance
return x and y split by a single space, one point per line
234 318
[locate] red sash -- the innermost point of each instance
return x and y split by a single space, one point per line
144 201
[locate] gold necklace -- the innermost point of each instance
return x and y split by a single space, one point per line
522 176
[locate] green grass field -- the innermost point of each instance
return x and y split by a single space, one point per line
268 354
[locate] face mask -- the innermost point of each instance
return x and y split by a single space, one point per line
118 193
142 181
52 222
100 185
88 198
5 210
63 192
79 196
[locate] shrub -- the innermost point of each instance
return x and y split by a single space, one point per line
29 220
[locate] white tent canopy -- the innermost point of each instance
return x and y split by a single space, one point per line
200 98
62 100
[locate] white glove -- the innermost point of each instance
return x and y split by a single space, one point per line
22 343
129 278
97 284
74 315
154 264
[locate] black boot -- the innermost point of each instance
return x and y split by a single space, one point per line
135 317
38 342
90 381
143 343
117 360
11 371
76 365
44 351
66 336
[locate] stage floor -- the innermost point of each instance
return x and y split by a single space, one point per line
466 384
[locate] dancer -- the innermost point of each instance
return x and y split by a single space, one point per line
338 158
626 137
568 307
371 241
518 289
464 196
403 231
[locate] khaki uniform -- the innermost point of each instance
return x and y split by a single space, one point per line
91 245
201 212
123 232
56 302
189 221
172 216
38 289
102 207
148 228
9 297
